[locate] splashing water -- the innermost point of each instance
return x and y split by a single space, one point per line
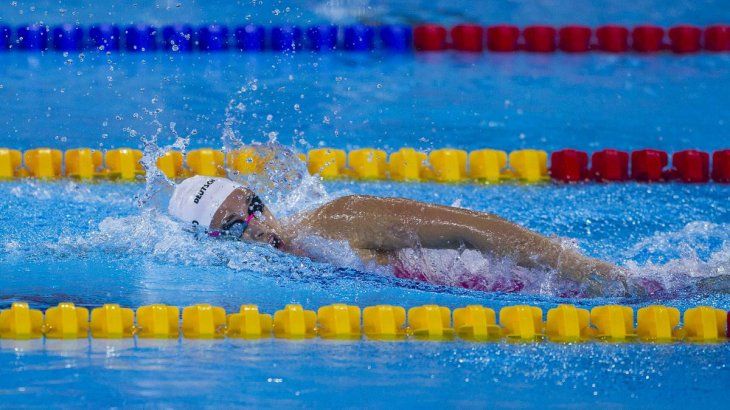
694 258
697 257
157 187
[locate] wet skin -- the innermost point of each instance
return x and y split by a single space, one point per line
376 228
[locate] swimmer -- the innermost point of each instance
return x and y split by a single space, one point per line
376 228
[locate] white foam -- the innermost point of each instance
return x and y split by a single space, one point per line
675 261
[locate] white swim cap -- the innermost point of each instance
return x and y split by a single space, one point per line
197 198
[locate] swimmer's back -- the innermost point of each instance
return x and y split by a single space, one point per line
388 223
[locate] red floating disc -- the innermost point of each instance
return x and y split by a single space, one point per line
502 38
575 39
468 37
685 39
613 39
717 38
610 165
648 39
540 39
721 166
647 165
429 37
692 165
569 165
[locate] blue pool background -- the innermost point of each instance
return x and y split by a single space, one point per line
92 243
351 100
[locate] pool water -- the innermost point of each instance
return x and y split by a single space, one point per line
107 242
88 244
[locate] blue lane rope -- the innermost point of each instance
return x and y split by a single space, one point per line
361 38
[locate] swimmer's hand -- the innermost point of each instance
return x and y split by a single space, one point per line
595 277
609 283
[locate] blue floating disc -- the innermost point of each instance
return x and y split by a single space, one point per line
178 37
322 38
396 37
250 37
104 37
67 37
286 38
140 37
359 37
6 34
213 37
33 37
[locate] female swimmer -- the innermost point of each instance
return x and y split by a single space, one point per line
376 228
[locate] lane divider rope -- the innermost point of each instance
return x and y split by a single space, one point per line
407 164
644 39
564 323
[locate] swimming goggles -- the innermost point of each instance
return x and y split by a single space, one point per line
236 227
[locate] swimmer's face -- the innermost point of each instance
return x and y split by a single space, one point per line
263 227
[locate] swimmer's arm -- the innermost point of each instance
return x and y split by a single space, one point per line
493 235
389 224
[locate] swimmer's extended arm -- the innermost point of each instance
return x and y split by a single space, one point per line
389 224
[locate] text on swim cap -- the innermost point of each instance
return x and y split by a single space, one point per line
202 190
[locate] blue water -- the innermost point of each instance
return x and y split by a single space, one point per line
93 243
505 101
